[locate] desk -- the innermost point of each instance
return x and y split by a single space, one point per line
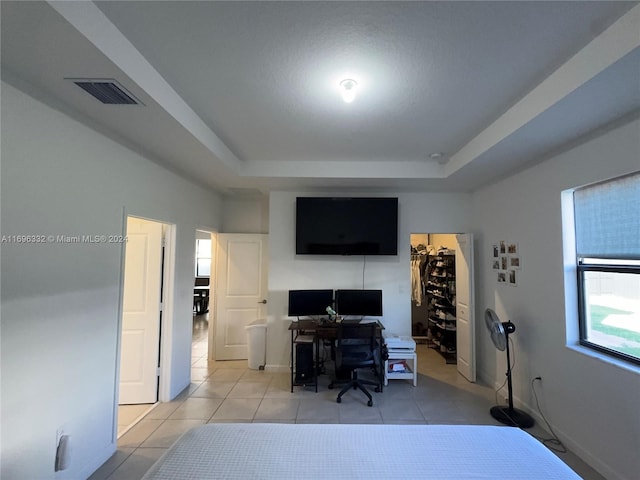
201 299
311 332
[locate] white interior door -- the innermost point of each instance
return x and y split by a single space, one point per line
240 294
465 335
140 343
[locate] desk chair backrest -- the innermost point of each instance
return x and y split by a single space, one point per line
356 345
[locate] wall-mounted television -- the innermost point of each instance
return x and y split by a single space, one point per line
359 302
346 226
304 303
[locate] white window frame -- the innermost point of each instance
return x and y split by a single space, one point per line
576 267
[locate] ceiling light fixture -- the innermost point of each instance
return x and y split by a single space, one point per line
348 90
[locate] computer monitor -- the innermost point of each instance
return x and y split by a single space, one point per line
359 302
309 302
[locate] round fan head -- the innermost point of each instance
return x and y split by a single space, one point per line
498 335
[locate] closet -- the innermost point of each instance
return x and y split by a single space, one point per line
433 293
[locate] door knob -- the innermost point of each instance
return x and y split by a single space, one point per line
264 301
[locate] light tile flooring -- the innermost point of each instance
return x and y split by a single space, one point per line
129 415
230 392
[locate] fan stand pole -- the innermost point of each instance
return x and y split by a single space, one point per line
507 414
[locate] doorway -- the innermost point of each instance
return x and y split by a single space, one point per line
237 289
147 280
442 297
204 294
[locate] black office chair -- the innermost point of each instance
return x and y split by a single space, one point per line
357 347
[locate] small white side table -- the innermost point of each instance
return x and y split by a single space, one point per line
401 348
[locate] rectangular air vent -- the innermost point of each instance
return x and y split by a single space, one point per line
107 91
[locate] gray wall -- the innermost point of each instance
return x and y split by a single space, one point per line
591 402
60 302
245 215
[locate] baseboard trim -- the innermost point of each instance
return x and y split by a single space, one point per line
277 368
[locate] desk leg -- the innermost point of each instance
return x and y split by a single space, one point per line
315 367
382 362
291 361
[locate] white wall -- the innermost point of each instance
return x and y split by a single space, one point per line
245 215
417 213
592 404
60 302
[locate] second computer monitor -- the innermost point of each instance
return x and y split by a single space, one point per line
359 302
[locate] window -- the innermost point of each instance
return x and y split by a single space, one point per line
607 233
203 258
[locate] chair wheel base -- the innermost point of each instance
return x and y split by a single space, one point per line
338 400
370 403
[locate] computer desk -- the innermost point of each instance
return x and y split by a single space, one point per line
313 331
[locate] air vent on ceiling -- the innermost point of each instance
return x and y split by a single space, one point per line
108 91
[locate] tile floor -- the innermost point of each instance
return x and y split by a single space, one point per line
230 392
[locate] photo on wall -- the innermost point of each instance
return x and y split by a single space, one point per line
506 262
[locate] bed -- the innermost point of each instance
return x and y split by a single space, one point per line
306 451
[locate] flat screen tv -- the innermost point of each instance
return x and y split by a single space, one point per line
304 303
359 302
346 226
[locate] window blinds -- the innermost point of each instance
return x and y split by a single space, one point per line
607 218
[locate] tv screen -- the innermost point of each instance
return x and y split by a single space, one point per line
309 302
359 302
346 226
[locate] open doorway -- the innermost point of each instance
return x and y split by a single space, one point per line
442 297
203 297
147 279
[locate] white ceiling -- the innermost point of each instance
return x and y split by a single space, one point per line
242 96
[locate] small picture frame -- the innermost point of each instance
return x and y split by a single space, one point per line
512 278
514 263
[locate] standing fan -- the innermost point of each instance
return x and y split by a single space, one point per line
500 336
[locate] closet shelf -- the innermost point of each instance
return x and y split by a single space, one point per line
441 315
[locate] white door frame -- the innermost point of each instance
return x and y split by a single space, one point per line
213 277
166 332
166 325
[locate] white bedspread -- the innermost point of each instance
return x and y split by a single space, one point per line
300 451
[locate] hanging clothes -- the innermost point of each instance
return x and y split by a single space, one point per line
418 267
